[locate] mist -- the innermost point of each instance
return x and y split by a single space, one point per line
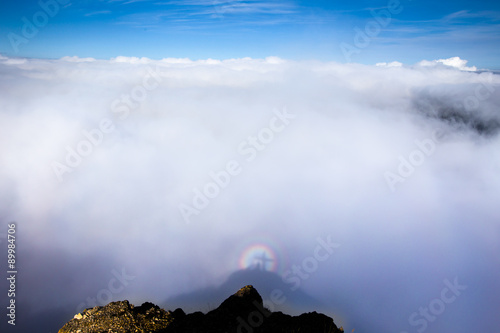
141 179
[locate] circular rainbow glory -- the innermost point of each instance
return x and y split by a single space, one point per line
259 256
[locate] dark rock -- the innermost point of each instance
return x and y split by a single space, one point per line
119 317
242 312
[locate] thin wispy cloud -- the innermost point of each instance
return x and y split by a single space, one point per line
203 15
467 14
101 12
127 2
455 29
234 6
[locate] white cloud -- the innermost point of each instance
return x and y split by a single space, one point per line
390 64
77 59
178 120
455 62
131 60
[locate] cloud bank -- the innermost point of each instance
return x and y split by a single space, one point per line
158 171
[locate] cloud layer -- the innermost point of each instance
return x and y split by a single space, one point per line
163 168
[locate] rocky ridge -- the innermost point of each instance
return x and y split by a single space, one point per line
242 312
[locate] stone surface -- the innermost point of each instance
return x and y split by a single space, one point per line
242 312
119 317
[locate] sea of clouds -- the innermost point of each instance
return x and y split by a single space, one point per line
162 168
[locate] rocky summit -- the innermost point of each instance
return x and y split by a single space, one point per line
242 312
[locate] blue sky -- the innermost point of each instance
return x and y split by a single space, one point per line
200 29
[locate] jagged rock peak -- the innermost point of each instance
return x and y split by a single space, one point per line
244 300
248 291
241 312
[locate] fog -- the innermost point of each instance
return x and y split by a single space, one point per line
164 172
